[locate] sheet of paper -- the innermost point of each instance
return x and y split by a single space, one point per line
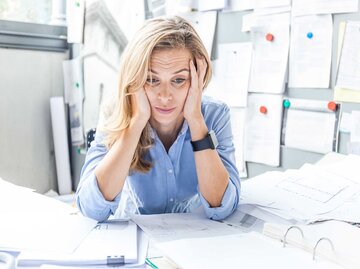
204 23
310 51
255 19
270 58
349 66
31 221
129 14
109 240
310 125
272 3
231 72
239 5
340 94
168 227
345 123
262 130
237 125
75 12
355 127
272 10
205 5
303 193
308 7
238 251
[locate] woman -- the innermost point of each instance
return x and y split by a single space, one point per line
157 152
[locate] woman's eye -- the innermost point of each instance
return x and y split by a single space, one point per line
179 80
152 80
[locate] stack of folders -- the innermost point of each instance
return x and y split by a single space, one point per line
112 243
333 240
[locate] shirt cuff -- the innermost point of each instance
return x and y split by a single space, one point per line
228 205
92 203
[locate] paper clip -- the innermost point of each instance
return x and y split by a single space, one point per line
287 231
317 243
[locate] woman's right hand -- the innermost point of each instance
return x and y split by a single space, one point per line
141 110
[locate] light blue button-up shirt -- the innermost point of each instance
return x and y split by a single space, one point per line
172 184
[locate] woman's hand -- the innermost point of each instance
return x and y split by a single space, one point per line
141 110
192 107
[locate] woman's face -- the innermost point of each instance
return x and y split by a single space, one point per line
167 85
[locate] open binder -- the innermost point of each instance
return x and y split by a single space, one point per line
333 240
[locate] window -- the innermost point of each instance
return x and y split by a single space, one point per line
34 11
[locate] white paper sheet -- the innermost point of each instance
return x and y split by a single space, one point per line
75 11
254 19
355 127
303 193
262 131
307 7
204 23
237 124
231 74
61 145
310 58
271 3
239 5
168 227
31 221
270 58
205 5
349 66
311 126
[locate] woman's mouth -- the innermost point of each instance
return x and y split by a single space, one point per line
164 110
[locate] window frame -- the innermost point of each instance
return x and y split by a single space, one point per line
33 36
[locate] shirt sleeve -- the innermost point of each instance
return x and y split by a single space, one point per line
89 199
219 121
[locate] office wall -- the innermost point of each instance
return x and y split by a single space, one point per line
229 30
28 78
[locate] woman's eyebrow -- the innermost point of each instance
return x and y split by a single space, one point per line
181 70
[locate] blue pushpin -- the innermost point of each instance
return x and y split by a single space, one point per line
309 35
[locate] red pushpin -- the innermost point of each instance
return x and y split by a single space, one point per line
332 106
263 109
269 37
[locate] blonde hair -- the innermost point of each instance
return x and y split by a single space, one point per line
156 34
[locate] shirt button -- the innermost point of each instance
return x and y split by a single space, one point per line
170 171
171 199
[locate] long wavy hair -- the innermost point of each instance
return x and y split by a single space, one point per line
156 34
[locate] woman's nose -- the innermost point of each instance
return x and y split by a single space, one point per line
165 95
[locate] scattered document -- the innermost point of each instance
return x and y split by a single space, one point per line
348 76
257 19
110 243
341 94
247 250
239 5
168 227
310 51
263 128
232 71
271 3
309 125
34 222
204 23
355 127
75 12
74 95
237 115
303 194
308 7
270 58
205 5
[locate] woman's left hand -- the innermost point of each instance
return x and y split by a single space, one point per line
192 107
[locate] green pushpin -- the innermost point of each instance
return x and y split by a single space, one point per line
77 84
78 150
286 103
77 3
